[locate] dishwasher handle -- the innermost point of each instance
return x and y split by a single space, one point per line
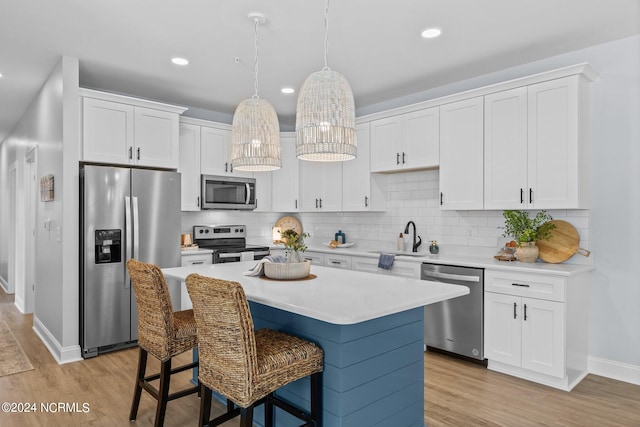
448 276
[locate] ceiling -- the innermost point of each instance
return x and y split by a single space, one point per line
125 46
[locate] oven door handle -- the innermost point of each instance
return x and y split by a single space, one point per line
230 255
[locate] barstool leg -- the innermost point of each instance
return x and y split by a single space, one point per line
205 405
163 392
268 411
316 398
137 391
246 416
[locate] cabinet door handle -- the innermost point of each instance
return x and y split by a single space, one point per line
130 153
397 158
521 195
316 203
138 153
320 203
197 262
441 198
525 312
366 201
530 195
226 166
515 312
403 162
522 285
296 203
335 262
198 201
231 167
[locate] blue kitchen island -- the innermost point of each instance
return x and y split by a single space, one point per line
371 330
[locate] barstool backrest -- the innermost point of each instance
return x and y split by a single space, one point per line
226 338
155 322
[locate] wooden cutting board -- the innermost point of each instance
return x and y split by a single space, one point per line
562 245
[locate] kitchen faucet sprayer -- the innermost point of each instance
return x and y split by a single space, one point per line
416 245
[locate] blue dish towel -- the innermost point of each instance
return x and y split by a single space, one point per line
386 261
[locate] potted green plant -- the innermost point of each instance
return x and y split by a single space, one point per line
296 266
525 231
294 244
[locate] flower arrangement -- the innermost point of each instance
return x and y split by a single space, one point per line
518 225
294 244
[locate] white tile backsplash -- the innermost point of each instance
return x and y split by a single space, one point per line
410 196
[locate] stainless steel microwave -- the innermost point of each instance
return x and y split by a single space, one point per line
226 192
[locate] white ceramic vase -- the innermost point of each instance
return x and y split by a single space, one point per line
527 252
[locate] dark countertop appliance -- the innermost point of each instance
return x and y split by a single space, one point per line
228 243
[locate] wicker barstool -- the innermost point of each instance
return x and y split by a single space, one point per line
162 333
247 366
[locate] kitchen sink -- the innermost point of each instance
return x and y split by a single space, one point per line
404 253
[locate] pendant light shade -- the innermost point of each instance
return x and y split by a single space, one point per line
255 131
325 114
325 118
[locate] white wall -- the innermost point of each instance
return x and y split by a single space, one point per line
52 123
607 229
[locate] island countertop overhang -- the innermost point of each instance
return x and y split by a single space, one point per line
342 297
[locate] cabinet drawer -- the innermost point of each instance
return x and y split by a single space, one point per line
196 259
337 261
539 286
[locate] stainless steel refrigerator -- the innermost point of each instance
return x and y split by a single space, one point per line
124 213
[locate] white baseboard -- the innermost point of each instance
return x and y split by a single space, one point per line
19 303
614 370
61 354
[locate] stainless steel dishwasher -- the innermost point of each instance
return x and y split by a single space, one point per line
456 325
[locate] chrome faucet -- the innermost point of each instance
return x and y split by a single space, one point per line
415 244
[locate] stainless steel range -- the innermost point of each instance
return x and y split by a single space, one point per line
228 242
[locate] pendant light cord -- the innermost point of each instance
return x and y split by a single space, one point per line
326 35
255 64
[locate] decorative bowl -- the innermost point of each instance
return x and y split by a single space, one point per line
287 270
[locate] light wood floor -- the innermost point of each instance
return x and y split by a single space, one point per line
457 393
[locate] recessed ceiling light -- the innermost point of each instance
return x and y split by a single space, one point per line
179 61
287 90
430 33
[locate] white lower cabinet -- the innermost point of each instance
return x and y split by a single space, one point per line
197 258
535 326
337 261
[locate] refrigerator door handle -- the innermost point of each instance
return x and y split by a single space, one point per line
127 226
136 229
248 193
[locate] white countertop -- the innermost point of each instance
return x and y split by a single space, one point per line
464 260
336 296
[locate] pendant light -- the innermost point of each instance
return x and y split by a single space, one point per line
255 131
325 114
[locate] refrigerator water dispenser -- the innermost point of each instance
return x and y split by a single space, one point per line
108 246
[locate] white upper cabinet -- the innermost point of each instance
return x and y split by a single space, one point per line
285 181
361 190
405 142
107 131
215 146
156 137
122 130
190 166
461 155
535 146
505 150
320 186
214 151
264 190
557 143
